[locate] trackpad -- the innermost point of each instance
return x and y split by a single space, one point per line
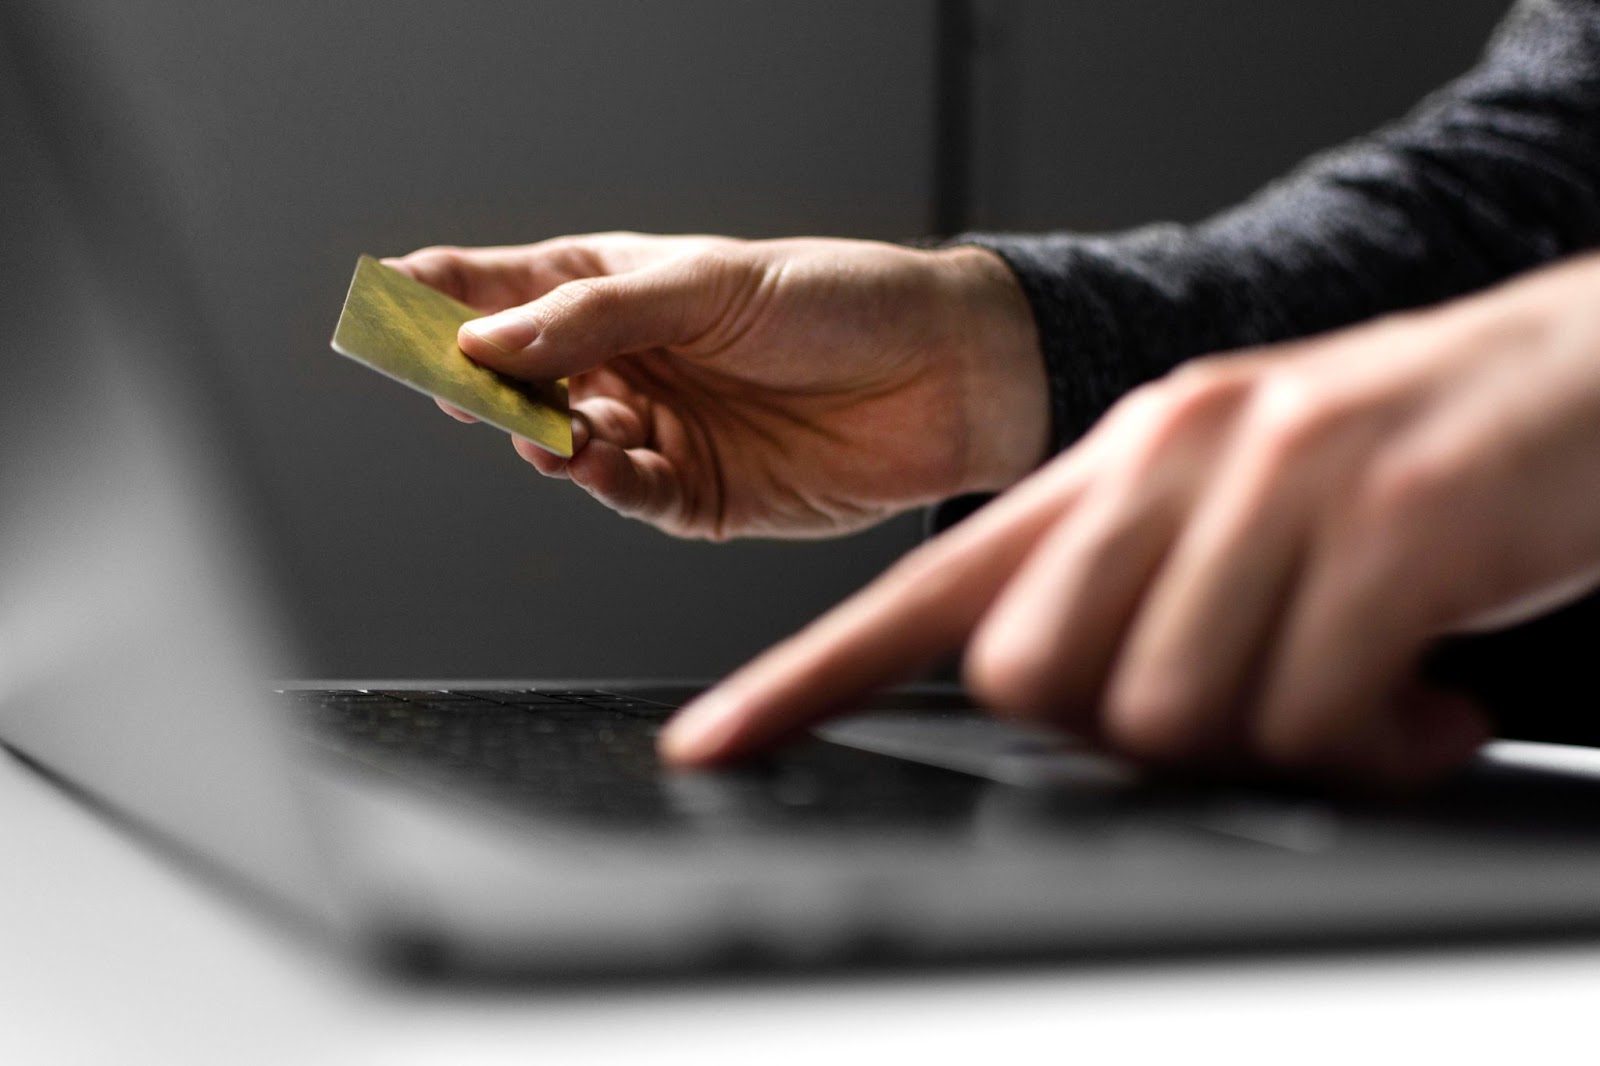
1000 751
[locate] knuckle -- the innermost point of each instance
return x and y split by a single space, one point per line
582 243
728 274
712 258
1192 387
562 249
1412 484
584 299
1208 374
610 236
444 267
1408 521
1291 415
1138 407
1159 414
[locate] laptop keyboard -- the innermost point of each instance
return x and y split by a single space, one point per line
589 756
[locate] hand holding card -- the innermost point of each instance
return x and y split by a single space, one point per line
407 331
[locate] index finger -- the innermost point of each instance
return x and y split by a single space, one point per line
485 279
921 608
495 278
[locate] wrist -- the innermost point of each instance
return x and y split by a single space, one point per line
1004 389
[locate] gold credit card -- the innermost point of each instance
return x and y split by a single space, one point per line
402 328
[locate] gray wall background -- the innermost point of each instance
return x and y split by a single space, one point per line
1098 114
297 134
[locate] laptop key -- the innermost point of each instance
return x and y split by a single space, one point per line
430 695
522 697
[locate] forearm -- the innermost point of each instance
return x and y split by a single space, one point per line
1497 173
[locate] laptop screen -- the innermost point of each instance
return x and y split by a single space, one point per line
136 635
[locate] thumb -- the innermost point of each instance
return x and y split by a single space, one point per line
582 324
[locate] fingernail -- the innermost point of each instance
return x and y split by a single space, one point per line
508 331
580 433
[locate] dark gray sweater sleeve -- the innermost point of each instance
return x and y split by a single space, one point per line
1494 174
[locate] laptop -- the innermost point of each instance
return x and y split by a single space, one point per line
523 825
